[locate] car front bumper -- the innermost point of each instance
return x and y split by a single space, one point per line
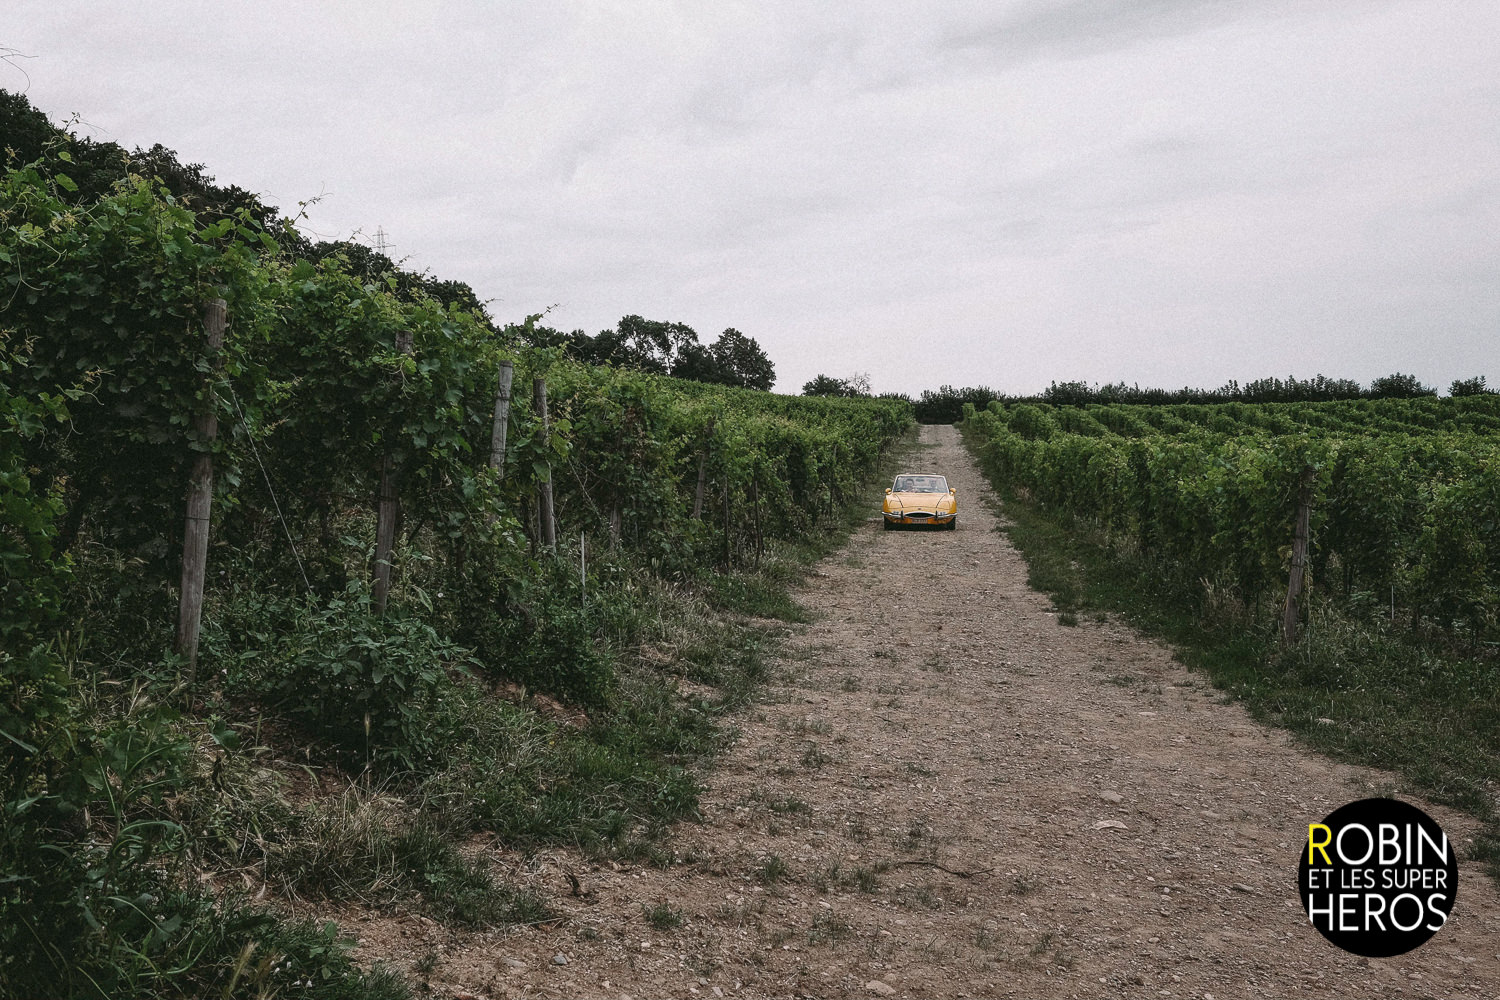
903 518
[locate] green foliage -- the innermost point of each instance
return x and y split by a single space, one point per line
368 683
826 385
332 370
662 916
1399 386
125 278
739 361
1469 387
661 348
510 772
946 404
94 902
772 869
548 640
32 573
347 847
780 464
314 393
1406 501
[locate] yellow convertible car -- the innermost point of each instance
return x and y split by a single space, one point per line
921 498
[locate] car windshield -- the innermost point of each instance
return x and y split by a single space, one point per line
920 484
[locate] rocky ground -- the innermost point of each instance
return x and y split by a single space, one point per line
948 793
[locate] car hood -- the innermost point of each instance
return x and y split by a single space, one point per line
921 501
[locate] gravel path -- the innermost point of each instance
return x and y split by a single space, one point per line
1124 831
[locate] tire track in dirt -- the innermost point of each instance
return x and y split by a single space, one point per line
1137 836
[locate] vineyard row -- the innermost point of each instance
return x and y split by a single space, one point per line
1404 494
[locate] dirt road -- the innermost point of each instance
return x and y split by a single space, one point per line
1128 833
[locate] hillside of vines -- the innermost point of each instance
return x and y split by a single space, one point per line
1405 500
134 776
1183 519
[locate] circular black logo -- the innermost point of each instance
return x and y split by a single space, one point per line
1378 877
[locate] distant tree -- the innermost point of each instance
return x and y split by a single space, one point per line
655 343
1469 387
1399 386
739 361
946 404
696 363
673 349
1114 392
1318 389
26 131
1336 388
1069 394
827 385
1262 390
635 342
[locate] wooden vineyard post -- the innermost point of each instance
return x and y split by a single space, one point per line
755 499
387 510
728 534
544 490
502 418
835 495
702 472
698 493
499 426
200 497
1291 611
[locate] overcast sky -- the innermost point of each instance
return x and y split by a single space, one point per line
1166 192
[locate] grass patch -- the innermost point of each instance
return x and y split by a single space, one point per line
756 595
863 878
868 879
361 846
828 928
1354 687
772 869
197 947
813 757
661 916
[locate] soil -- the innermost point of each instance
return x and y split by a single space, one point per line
946 792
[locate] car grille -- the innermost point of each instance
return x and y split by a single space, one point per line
918 513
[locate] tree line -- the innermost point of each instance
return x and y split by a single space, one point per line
945 404
658 347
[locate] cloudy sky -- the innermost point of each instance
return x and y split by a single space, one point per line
1165 192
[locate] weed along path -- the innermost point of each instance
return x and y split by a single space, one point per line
945 792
